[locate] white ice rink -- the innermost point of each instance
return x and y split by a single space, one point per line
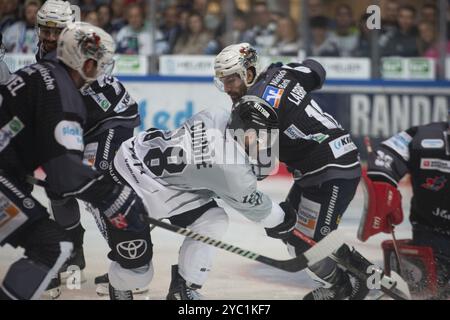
232 276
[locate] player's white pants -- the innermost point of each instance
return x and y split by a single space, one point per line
129 279
195 259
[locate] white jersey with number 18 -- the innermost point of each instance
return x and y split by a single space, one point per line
180 170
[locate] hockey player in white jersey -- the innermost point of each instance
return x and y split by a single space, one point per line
178 173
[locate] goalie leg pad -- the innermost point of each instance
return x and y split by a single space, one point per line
418 266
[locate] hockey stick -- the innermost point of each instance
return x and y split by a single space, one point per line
318 252
396 249
393 286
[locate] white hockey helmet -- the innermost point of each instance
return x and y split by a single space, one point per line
55 14
81 41
236 59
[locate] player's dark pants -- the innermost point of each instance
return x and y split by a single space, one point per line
25 222
99 153
319 211
440 243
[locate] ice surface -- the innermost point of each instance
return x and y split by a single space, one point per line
232 276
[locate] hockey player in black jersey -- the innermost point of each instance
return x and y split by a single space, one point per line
41 119
424 153
316 149
112 115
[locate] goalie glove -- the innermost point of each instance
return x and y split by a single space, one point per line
283 230
382 208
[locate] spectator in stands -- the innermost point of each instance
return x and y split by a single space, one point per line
86 6
322 44
117 19
427 37
196 39
171 28
183 5
364 45
136 37
213 16
428 41
21 37
275 16
200 6
104 14
286 41
9 14
316 8
429 13
389 16
91 17
262 35
184 17
345 34
402 42
239 32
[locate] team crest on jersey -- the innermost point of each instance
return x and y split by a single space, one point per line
273 96
435 184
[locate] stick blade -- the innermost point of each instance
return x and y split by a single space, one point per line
401 285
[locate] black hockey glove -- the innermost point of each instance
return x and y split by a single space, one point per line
283 230
124 209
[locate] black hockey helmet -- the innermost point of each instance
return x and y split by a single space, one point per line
252 112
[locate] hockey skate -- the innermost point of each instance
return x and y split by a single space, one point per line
342 288
71 271
102 286
115 294
180 289
76 263
53 290
344 285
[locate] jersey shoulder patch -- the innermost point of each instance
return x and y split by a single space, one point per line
273 95
69 134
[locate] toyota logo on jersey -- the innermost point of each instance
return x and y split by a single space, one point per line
133 249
